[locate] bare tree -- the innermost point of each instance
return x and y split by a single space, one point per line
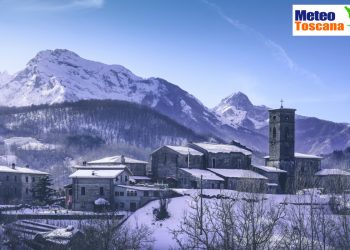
111 234
235 221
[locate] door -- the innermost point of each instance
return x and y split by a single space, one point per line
132 206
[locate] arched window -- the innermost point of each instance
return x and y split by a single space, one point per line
274 133
286 134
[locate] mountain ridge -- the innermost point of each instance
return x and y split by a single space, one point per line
58 76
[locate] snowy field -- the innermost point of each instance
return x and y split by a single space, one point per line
181 205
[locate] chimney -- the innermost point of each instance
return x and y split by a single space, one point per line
27 166
122 159
84 163
13 165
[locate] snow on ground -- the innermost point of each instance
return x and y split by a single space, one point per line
163 238
177 207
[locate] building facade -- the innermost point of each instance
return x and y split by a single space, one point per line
90 185
300 168
137 167
167 160
17 183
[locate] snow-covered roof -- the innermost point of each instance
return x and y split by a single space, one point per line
101 166
207 175
307 156
237 173
222 148
184 150
117 159
272 184
20 170
90 173
270 169
138 177
332 171
300 155
141 187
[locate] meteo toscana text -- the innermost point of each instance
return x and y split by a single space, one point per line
316 21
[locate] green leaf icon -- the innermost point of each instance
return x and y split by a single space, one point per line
348 10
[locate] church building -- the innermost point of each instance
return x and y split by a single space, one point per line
300 168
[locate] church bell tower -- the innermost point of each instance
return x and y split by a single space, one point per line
281 137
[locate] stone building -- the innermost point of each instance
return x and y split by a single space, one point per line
300 168
223 155
242 179
89 185
167 160
137 167
16 183
132 197
191 178
276 177
333 180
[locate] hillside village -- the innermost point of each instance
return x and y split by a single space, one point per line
122 183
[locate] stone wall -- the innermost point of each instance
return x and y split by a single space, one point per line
166 162
186 180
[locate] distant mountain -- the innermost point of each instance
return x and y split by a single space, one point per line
112 122
237 110
55 137
5 77
62 76
313 135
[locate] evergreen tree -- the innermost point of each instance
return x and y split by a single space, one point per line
42 191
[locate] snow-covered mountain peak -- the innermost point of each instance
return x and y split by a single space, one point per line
239 100
238 110
5 77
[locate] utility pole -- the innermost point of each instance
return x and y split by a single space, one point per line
201 222
188 159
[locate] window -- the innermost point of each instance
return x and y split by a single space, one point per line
15 178
116 179
212 185
7 178
274 118
102 192
121 205
126 178
121 193
82 190
146 193
213 160
274 133
239 163
286 134
33 179
156 193
26 178
116 193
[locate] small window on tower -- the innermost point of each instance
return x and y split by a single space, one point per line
274 118
274 133
286 134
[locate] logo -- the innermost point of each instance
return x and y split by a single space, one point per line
321 20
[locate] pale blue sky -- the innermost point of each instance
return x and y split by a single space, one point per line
210 48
